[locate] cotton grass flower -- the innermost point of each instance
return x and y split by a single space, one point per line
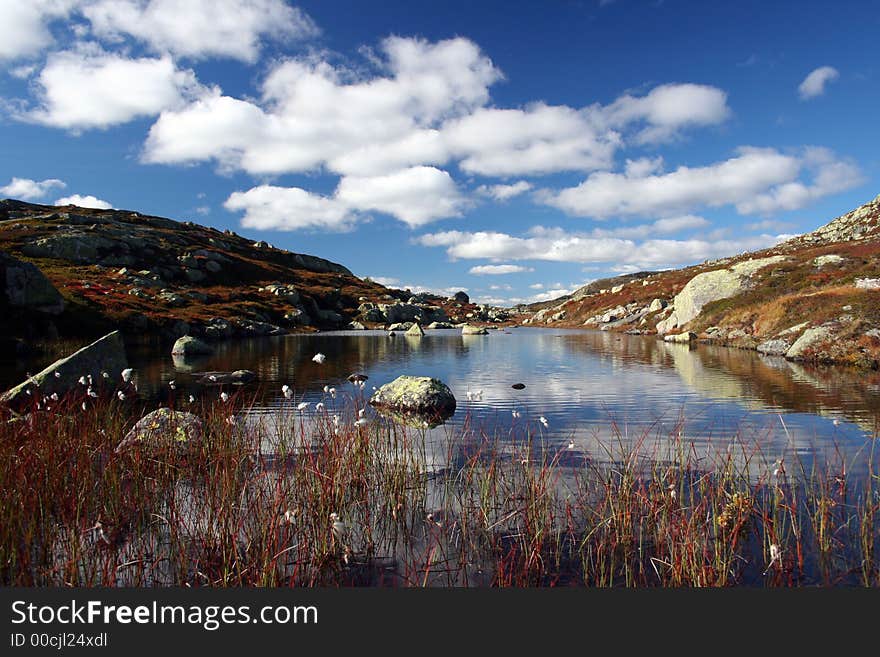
286 391
192 399
224 397
319 358
543 421
121 395
126 374
83 381
302 406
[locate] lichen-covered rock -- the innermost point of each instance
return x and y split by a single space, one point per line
421 395
829 259
711 286
809 338
104 355
440 325
190 346
775 347
415 331
26 287
164 427
868 283
467 329
657 304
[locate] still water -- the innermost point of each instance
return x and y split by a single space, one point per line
589 393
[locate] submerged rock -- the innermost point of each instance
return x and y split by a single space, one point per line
190 346
164 427
418 395
238 377
104 355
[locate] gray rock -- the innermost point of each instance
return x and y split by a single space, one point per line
420 395
218 329
195 275
415 331
657 304
808 338
403 326
297 317
711 286
868 283
73 246
829 259
213 266
330 317
238 377
401 312
375 315
164 427
775 347
104 355
681 338
190 346
461 297
356 326
440 325
467 329
172 299
26 287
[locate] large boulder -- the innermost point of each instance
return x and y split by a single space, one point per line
415 395
807 340
74 246
25 286
190 346
415 331
711 286
467 329
164 427
104 355
461 297
401 312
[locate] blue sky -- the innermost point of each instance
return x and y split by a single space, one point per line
513 149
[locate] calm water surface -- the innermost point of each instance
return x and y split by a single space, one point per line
594 389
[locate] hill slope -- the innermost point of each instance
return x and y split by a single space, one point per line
814 297
151 275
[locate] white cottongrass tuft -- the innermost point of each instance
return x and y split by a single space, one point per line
126 374
224 397
319 358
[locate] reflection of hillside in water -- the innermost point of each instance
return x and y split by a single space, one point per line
756 381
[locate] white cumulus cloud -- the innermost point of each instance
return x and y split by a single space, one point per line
200 28
814 84
90 88
504 192
87 201
751 181
25 25
415 196
558 245
25 189
312 114
495 270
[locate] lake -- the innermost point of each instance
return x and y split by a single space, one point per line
591 388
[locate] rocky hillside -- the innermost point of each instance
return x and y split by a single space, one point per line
76 272
815 297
